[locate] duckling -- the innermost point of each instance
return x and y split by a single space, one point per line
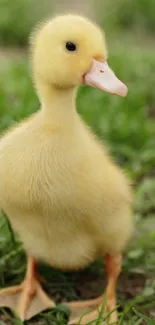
59 187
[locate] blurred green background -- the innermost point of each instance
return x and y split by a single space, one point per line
17 17
127 126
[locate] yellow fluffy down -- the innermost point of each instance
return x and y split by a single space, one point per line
62 193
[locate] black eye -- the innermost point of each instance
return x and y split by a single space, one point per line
70 46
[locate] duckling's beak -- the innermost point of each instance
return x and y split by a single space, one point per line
102 77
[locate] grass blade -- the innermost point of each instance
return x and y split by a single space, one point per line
147 319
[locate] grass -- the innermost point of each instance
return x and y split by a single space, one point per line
115 14
127 127
13 32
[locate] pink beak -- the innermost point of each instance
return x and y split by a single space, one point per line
102 77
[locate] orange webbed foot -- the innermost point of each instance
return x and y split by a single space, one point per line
104 306
28 298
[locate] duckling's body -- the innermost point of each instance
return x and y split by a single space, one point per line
61 191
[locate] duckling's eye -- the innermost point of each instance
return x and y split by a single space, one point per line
70 46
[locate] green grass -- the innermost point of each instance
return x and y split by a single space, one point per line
114 15
18 17
129 14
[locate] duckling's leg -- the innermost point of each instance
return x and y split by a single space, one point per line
19 297
113 268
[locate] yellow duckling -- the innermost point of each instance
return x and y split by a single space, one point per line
61 191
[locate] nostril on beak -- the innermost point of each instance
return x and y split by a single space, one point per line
102 71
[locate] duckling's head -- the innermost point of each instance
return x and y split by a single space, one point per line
70 50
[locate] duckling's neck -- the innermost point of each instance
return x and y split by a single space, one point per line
58 105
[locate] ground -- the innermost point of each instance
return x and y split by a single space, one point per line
127 127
